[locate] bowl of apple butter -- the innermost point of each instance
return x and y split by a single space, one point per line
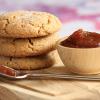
80 52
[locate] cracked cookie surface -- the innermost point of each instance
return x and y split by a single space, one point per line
37 62
27 47
27 24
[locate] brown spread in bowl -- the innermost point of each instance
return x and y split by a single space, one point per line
82 39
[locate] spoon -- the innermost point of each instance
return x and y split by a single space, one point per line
11 73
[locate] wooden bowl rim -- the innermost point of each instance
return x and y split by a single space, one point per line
65 47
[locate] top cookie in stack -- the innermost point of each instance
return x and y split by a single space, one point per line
26 38
28 24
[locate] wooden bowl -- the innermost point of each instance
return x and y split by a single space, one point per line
80 60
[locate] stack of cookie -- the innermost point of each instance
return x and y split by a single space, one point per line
26 39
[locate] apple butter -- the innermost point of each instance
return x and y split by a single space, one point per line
82 39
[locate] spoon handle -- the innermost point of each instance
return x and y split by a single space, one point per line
63 76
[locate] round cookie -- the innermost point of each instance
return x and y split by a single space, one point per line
37 62
27 24
27 47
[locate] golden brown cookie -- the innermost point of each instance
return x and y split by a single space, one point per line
27 24
27 47
37 62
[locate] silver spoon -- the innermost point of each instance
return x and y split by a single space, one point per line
10 73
